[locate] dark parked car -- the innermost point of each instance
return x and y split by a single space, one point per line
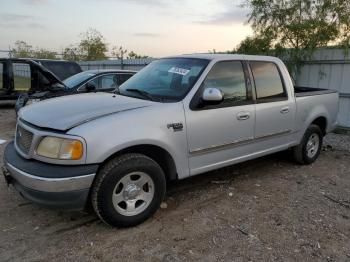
87 81
22 76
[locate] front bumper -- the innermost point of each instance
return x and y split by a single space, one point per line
51 185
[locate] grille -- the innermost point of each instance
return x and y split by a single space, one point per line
24 139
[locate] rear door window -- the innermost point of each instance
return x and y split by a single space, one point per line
22 77
268 81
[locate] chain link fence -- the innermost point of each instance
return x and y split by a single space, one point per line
126 64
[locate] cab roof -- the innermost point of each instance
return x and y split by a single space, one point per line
218 57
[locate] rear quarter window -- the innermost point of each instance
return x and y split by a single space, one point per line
268 81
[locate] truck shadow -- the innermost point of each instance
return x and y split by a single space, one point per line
230 173
69 221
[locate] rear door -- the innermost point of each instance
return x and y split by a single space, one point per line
275 111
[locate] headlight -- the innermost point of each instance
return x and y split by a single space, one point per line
60 148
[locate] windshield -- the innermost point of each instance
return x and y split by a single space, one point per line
78 79
165 79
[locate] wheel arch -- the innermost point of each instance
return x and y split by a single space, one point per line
155 152
321 122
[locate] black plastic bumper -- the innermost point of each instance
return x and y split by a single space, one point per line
41 169
58 186
70 200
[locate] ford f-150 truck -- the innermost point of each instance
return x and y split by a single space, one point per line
178 117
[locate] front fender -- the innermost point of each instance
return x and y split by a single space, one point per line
145 126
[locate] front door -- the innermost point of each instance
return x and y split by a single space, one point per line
217 134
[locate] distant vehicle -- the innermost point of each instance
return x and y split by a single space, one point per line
178 117
61 68
21 76
84 82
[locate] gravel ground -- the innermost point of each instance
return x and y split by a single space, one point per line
338 142
269 209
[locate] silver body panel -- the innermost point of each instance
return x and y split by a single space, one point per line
210 139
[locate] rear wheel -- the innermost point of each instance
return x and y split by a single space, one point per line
310 147
128 190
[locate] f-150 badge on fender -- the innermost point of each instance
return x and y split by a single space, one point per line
176 126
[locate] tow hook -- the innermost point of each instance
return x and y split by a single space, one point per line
7 175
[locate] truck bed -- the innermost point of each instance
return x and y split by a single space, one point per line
301 91
315 102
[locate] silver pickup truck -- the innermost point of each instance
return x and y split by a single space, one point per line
178 117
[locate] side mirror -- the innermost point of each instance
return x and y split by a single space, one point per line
212 96
90 87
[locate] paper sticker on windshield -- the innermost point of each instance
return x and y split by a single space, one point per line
179 71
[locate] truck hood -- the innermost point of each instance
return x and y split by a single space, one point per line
66 112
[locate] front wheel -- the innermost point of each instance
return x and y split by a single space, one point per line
128 190
310 147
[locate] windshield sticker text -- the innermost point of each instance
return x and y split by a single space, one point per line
179 71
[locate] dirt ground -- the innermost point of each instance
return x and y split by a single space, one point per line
269 209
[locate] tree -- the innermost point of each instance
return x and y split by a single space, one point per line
133 55
43 53
255 45
71 53
22 50
298 27
92 46
119 52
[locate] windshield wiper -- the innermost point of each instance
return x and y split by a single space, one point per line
143 93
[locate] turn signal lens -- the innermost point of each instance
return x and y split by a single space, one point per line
71 149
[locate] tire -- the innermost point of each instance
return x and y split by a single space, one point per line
128 190
303 153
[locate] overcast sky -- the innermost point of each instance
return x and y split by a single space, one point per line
151 27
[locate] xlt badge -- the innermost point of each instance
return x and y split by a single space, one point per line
176 126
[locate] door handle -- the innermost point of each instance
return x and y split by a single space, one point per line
243 116
284 110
